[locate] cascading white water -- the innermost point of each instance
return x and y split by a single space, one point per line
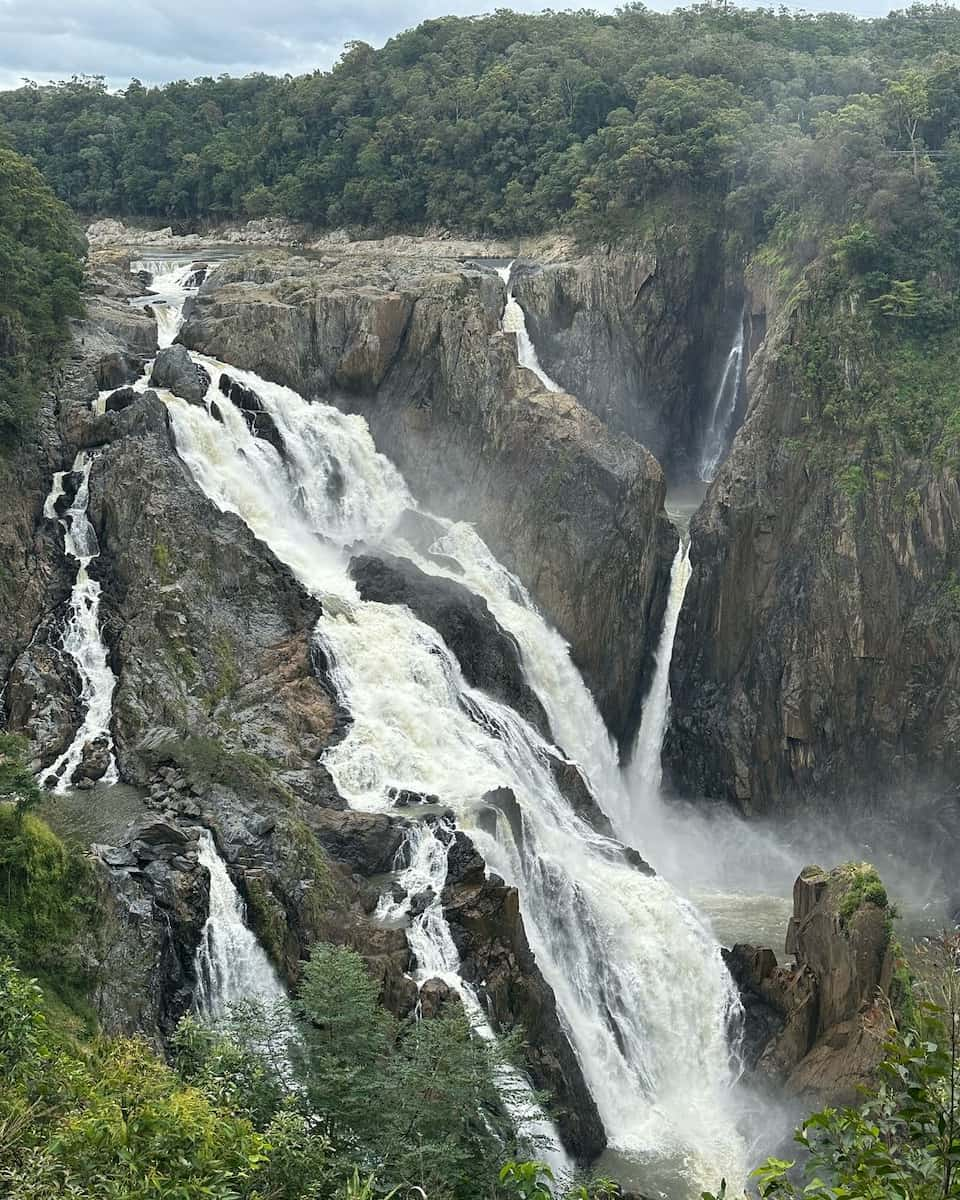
515 322
724 407
639 982
436 957
171 280
644 771
82 639
231 964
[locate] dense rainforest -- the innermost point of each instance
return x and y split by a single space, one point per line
795 139
40 266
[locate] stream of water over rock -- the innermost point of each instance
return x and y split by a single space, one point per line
640 985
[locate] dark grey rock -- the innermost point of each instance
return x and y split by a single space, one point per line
176 371
489 656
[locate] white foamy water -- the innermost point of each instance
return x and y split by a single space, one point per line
436 957
722 414
172 281
644 772
515 322
232 966
639 981
82 639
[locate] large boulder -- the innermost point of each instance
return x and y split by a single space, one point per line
135 328
153 905
176 371
816 1025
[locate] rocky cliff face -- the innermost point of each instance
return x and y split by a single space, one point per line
818 651
817 1024
638 333
221 713
415 346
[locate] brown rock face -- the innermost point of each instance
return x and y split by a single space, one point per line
818 653
816 1025
415 346
637 333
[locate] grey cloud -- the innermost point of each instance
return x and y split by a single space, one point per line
156 42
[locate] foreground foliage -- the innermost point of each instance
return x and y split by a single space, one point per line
903 1141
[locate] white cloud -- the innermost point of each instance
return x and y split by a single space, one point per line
156 42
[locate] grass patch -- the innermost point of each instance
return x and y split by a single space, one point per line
863 886
206 761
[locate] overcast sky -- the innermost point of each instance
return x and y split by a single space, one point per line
180 39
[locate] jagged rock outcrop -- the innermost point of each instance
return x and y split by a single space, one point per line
489 656
637 333
487 927
258 420
817 1024
39 684
818 653
175 370
154 901
415 346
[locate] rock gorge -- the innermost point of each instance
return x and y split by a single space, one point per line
226 703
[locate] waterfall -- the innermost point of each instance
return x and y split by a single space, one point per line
644 771
639 982
231 964
436 957
82 640
724 409
515 322
640 986
172 280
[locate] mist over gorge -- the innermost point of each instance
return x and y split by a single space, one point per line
478 609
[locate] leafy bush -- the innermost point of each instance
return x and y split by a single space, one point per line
47 898
109 1120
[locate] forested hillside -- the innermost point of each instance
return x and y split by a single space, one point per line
40 272
514 122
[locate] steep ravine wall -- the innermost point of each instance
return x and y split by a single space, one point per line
639 334
818 653
415 346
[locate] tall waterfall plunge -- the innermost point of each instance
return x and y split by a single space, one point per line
231 964
515 322
639 982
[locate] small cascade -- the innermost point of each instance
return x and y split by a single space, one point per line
724 410
644 771
82 639
172 281
436 956
515 322
231 964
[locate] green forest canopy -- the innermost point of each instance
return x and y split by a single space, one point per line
514 122
822 147
40 274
